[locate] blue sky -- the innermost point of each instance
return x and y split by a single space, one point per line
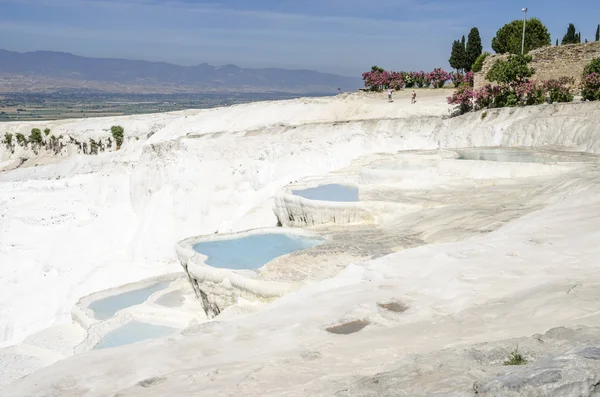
339 36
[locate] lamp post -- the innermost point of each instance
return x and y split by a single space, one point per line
524 23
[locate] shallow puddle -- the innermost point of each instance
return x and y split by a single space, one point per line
348 328
397 307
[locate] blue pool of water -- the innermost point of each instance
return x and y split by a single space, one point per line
133 332
331 192
107 307
253 251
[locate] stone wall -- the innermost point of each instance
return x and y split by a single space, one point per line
551 62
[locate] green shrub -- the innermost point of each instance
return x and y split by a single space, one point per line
8 139
478 64
513 70
117 133
36 136
21 140
483 115
93 146
592 67
47 131
515 358
508 39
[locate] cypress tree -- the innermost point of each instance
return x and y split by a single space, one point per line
570 37
455 56
458 57
598 33
557 42
473 49
463 44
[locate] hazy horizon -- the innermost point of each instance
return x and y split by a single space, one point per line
344 37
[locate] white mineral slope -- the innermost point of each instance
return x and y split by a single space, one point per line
85 223
538 272
89 223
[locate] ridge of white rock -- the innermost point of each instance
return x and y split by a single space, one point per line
88 223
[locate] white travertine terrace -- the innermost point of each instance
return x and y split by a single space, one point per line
471 251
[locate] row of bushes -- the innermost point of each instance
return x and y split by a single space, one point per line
37 140
377 79
525 93
515 89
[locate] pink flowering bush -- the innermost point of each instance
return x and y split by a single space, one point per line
457 78
530 93
438 77
396 80
376 80
489 96
463 97
590 87
470 78
560 90
427 80
484 97
419 78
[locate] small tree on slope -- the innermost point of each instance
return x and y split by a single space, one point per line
458 55
117 133
571 36
473 49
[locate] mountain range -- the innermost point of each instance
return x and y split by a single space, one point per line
47 71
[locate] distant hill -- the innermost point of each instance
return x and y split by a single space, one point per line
44 71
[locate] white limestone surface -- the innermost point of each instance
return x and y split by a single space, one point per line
83 223
87 223
533 274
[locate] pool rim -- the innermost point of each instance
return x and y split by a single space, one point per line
84 316
194 263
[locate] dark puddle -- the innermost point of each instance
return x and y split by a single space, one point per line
397 307
348 328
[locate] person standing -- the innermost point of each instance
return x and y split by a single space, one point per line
390 91
414 97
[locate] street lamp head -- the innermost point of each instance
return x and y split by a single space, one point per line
524 10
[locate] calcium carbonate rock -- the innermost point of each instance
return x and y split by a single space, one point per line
561 363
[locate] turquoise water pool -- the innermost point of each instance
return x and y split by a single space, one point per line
133 332
107 307
330 192
253 251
